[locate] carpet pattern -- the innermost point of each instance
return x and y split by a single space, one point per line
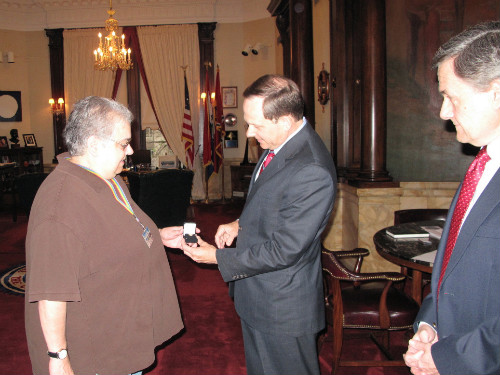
13 280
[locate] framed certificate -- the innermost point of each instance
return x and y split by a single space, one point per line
230 97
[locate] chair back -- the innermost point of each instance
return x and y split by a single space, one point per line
419 214
363 301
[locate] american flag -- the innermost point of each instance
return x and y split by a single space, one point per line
187 129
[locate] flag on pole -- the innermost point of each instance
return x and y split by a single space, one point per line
208 130
187 128
219 126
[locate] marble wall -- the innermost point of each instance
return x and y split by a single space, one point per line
360 213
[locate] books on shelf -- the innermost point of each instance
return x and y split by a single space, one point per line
407 230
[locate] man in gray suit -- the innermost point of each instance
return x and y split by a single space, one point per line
275 270
458 326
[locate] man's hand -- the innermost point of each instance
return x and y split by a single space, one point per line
226 233
419 357
203 253
172 236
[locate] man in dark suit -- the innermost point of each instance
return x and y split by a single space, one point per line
275 270
458 326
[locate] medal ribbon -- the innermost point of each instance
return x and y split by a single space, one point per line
118 193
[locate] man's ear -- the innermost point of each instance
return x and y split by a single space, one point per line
495 90
286 122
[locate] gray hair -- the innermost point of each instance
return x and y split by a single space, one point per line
92 116
281 95
477 54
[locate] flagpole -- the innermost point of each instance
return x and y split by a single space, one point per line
207 177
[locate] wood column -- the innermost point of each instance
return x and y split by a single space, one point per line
294 23
206 42
373 94
56 53
302 57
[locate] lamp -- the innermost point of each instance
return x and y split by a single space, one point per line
112 54
246 50
56 108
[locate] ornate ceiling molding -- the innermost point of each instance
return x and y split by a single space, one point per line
33 15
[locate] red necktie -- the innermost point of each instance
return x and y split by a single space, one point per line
266 162
469 184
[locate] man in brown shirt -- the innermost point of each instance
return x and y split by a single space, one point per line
100 295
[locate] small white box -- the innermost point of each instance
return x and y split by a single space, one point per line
168 162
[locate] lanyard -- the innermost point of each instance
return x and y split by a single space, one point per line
118 193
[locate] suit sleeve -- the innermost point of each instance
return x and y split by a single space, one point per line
305 204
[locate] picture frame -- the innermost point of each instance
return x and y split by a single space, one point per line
10 106
29 140
4 143
231 139
229 97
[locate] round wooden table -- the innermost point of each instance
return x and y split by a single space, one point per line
402 251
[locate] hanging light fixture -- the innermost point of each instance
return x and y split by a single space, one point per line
111 53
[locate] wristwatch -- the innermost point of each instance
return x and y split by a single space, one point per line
61 354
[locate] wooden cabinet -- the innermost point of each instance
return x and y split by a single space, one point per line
240 180
27 159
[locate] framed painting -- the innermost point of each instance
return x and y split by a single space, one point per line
10 106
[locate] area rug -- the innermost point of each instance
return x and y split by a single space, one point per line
13 280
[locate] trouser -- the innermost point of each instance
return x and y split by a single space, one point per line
279 354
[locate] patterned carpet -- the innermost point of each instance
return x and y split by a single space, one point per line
13 280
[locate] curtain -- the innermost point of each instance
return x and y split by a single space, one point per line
80 77
165 50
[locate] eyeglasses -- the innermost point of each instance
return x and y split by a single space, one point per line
120 143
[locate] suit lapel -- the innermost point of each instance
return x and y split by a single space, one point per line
489 199
279 161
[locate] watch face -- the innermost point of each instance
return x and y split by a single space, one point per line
62 354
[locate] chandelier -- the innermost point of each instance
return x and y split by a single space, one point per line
111 53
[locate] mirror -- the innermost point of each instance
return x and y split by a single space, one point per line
230 120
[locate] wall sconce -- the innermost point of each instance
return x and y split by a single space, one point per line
56 108
204 96
7 57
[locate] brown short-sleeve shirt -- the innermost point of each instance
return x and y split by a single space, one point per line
85 248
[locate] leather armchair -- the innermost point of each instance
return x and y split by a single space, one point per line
363 301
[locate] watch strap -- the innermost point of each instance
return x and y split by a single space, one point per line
61 354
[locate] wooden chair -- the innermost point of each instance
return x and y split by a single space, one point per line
363 301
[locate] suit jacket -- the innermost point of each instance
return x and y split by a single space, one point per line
275 269
468 318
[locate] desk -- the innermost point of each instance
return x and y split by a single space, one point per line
164 194
401 252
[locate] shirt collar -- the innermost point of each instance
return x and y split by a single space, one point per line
304 122
493 149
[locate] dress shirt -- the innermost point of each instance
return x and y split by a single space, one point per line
276 150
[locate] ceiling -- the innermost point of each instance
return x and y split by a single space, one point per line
33 15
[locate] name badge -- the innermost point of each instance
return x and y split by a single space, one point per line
148 237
